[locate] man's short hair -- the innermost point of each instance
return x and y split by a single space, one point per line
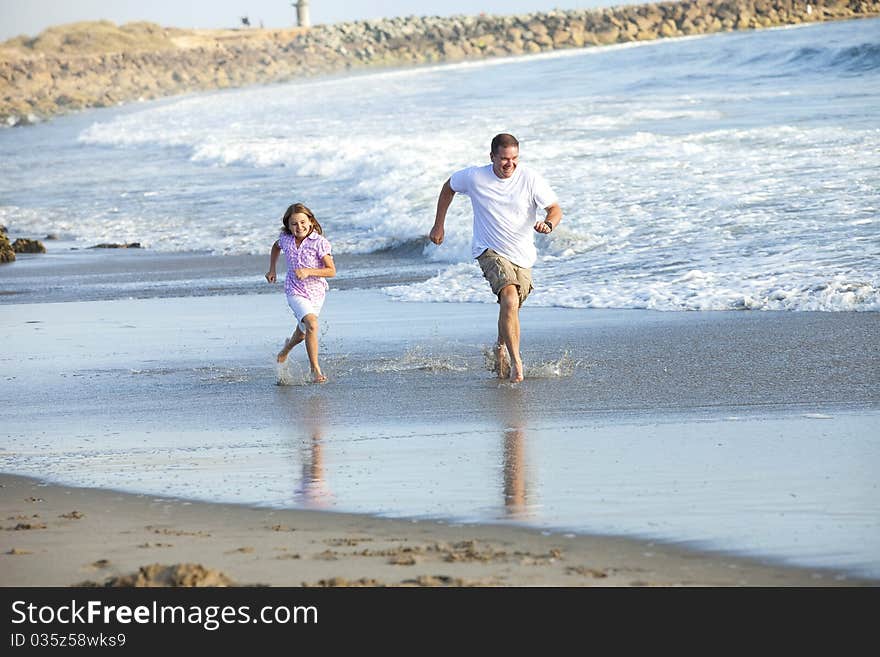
503 140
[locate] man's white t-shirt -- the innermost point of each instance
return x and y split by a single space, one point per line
504 210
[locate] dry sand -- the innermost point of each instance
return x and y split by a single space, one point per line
59 536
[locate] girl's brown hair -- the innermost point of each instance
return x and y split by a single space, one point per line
299 208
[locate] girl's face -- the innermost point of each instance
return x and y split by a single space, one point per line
300 225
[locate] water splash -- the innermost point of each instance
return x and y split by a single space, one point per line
222 375
490 358
417 359
564 366
284 376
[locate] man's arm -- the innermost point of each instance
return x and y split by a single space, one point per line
554 217
443 201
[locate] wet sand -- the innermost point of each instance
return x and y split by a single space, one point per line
60 536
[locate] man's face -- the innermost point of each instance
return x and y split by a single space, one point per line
504 161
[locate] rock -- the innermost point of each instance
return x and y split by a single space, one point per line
645 23
577 29
607 35
22 245
561 37
514 47
693 12
112 245
6 252
485 41
451 51
687 27
630 28
668 29
537 28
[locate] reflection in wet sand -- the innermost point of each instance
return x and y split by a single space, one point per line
510 409
313 491
515 499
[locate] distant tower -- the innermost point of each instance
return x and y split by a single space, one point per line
302 13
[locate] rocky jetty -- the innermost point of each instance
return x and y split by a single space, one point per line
99 64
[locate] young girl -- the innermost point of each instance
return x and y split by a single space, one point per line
308 263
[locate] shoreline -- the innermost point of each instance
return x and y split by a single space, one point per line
149 274
88 65
63 536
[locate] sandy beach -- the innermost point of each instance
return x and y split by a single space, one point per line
747 465
61 536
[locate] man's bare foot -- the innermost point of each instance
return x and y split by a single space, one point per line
317 377
516 371
502 364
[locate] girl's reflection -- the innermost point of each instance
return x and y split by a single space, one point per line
312 491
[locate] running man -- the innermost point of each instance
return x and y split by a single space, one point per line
505 197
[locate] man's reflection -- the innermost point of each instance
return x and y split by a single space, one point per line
510 406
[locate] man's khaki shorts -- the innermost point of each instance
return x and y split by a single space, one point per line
501 272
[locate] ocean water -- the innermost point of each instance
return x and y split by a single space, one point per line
732 171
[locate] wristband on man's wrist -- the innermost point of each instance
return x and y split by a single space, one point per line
549 225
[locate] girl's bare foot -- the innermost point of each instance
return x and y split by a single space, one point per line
317 377
282 355
289 344
502 364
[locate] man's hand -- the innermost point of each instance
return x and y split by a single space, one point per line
302 274
437 234
551 221
270 276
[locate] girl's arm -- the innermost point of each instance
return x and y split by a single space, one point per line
327 271
273 258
